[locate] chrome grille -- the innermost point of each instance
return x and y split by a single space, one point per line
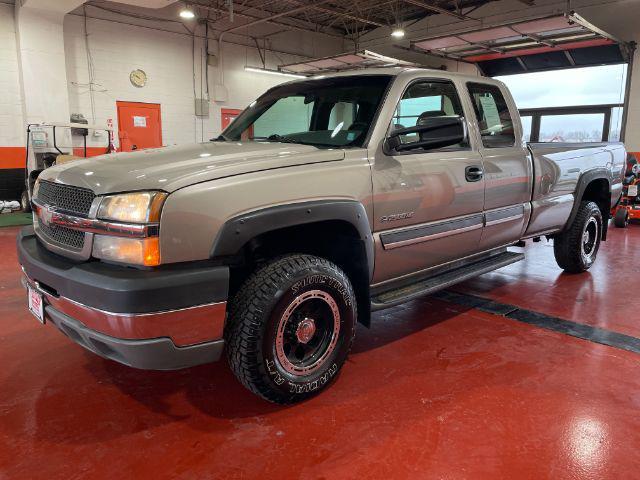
65 197
64 236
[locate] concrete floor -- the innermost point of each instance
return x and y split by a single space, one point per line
433 390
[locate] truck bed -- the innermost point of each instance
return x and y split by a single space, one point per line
559 169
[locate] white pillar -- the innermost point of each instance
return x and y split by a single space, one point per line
632 129
41 59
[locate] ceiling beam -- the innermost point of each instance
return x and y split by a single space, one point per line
342 14
274 16
434 8
265 20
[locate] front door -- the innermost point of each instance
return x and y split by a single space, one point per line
139 126
428 204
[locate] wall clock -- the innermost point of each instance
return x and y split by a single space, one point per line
138 78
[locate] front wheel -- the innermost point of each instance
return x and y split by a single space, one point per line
290 328
576 248
621 218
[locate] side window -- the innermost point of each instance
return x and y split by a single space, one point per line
287 115
423 101
492 112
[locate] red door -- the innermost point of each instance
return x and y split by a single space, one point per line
139 125
228 116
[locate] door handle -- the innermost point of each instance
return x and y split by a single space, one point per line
473 173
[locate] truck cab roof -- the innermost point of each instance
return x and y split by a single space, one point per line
408 72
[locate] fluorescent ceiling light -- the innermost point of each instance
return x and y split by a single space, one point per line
273 72
397 32
187 12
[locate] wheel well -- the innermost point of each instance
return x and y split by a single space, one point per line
336 240
598 191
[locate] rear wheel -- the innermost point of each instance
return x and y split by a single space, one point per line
290 328
25 204
576 248
621 218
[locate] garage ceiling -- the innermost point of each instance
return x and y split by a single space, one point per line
535 44
546 43
350 19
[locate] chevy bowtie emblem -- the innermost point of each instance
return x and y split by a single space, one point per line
45 215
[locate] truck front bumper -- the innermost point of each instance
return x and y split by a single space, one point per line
162 319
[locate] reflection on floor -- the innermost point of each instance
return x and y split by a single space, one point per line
433 390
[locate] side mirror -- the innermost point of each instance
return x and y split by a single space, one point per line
438 132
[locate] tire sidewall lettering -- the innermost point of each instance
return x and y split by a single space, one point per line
321 279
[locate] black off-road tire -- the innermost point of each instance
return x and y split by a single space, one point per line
266 317
621 219
25 204
573 251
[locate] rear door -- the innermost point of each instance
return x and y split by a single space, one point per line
428 204
508 172
139 125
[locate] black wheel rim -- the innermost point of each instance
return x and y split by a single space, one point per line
307 333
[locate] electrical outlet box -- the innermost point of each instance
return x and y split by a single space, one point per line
220 93
202 107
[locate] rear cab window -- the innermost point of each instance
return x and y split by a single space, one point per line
492 112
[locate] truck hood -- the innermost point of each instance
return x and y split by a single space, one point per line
171 168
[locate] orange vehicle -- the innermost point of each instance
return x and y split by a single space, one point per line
629 207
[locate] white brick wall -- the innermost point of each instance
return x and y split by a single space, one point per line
166 57
118 49
11 125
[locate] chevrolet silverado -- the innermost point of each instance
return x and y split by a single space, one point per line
328 198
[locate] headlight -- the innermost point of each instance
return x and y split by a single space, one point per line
133 251
137 207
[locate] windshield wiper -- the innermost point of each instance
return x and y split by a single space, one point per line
219 138
276 137
282 138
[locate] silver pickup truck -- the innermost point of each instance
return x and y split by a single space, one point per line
326 199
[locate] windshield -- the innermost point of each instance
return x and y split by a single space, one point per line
330 112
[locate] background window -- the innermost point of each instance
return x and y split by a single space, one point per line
572 128
423 101
527 124
576 86
494 119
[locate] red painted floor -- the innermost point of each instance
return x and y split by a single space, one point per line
431 391
602 297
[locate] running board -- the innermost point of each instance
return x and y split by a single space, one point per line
443 280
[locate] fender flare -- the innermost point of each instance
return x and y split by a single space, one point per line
237 231
584 180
